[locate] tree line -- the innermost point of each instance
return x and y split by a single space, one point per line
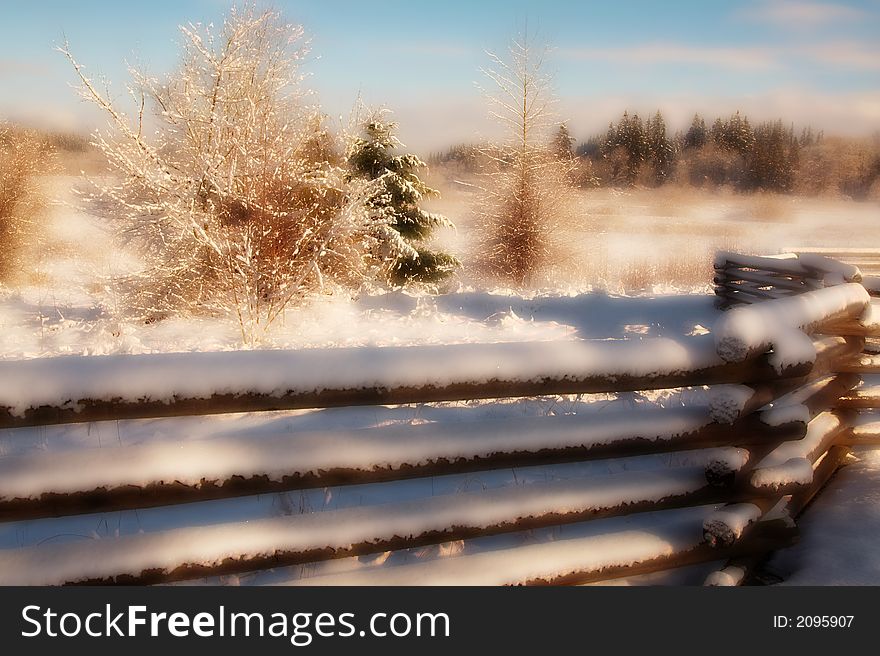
730 151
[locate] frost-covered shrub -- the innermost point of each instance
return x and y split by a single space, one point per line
229 184
24 159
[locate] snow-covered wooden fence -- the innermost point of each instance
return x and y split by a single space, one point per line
751 279
781 408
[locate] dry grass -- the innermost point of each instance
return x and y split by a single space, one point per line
25 158
646 274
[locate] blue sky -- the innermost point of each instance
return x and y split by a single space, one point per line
811 62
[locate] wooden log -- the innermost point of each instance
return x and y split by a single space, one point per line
732 574
762 280
862 398
168 487
730 296
790 467
830 267
753 294
864 431
757 369
861 364
761 291
828 396
730 274
762 540
872 284
737 570
190 552
836 252
727 405
572 561
811 396
745 332
725 471
823 470
805 277
163 487
811 264
731 522
726 299
785 263
816 396
850 328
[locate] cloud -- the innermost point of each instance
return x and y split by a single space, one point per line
797 14
736 58
845 55
838 113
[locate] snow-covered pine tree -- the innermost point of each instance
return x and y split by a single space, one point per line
697 133
631 139
396 198
563 142
735 134
660 149
774 157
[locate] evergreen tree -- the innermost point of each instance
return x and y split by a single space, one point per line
397 198
609 143
735 134
697 134
590 148
717 133
807 136
630 137
563 142
774 157
660 149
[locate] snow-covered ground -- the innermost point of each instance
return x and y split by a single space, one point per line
839 531
69 307
643 272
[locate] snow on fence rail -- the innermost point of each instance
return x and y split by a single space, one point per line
770 433
72 388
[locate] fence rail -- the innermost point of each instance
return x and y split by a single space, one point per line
783 370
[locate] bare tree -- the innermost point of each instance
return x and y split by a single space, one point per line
228 181
526 193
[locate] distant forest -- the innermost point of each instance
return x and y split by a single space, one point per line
730 152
